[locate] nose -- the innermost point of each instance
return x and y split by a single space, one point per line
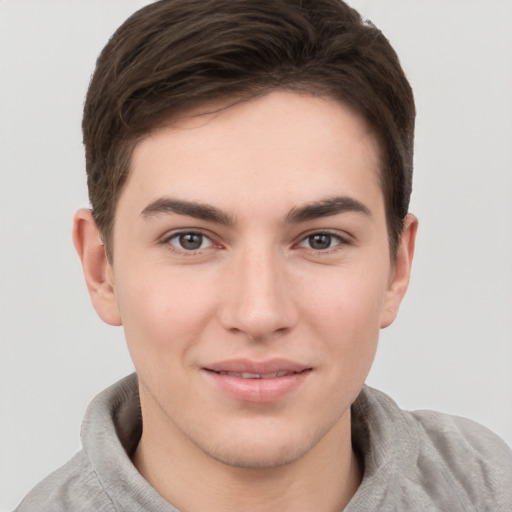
258 299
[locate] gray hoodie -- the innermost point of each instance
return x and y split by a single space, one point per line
413 461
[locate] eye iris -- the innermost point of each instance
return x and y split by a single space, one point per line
320 241
191 241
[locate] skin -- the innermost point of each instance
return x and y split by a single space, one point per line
267 273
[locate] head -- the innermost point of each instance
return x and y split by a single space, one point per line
175 56
249 169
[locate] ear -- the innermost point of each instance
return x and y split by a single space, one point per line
97 270
400 272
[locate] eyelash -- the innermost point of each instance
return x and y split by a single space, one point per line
340 241
179 237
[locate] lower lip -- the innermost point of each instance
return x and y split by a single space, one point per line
258 390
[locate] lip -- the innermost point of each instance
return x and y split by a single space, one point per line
257 381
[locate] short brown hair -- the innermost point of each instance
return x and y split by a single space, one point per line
173 55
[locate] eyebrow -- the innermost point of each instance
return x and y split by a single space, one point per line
314 210
191 209
325 208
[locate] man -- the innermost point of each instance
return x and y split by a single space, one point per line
249 168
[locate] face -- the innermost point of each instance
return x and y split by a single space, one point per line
251 273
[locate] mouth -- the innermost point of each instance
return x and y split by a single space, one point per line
249 375
250 381
251 369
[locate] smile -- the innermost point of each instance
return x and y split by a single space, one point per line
248 375
262 382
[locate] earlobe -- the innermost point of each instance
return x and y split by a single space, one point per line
401 271
96 267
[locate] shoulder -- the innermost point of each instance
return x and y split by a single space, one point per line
468 453
425 460
74 486
466 437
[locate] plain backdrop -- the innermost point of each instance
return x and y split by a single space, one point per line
451 347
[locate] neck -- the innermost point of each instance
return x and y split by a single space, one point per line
324 479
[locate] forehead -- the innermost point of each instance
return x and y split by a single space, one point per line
299 145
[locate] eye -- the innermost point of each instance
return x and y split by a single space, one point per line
321 241
189 241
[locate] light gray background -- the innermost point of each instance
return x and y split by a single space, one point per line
451 348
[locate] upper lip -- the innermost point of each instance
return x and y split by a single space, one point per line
257 367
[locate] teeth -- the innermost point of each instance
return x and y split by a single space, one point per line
248 375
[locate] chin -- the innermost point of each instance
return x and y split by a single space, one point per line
257 458
263 450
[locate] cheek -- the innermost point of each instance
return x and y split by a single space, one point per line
345 314
349 298
163 313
